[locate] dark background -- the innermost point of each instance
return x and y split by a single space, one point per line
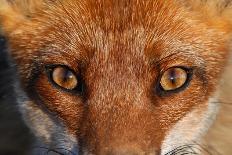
14 135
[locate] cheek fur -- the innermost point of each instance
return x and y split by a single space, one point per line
68 107
47 129
191 128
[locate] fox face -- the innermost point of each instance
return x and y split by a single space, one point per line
117 77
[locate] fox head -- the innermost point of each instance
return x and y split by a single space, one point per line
120 76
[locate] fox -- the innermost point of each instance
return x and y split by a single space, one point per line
118 77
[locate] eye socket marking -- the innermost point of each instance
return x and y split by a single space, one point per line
63 77
175 79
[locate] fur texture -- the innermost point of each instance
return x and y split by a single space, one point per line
120 48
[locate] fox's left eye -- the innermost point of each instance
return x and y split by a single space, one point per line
174 78
63 77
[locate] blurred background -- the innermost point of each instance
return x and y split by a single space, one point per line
219 137
15 138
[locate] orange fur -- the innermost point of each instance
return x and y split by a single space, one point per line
122 47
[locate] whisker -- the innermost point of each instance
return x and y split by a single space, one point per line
221 102
59 151
187 149
54 151
68 151
180 149
203 148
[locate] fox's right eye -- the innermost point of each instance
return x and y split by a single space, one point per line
63 77
175 79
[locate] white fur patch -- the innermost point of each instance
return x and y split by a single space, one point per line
190 129
51 133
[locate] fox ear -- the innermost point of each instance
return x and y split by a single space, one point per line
14 12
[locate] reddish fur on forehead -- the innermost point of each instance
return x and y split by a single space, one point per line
217 13
117 41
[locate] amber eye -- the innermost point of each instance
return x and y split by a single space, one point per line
174 78
63 77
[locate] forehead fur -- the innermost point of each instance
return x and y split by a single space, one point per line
154 17
89 24
210 11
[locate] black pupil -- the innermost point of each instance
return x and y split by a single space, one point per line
172 76
67 75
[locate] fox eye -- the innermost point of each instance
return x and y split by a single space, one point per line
174 78
63 77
